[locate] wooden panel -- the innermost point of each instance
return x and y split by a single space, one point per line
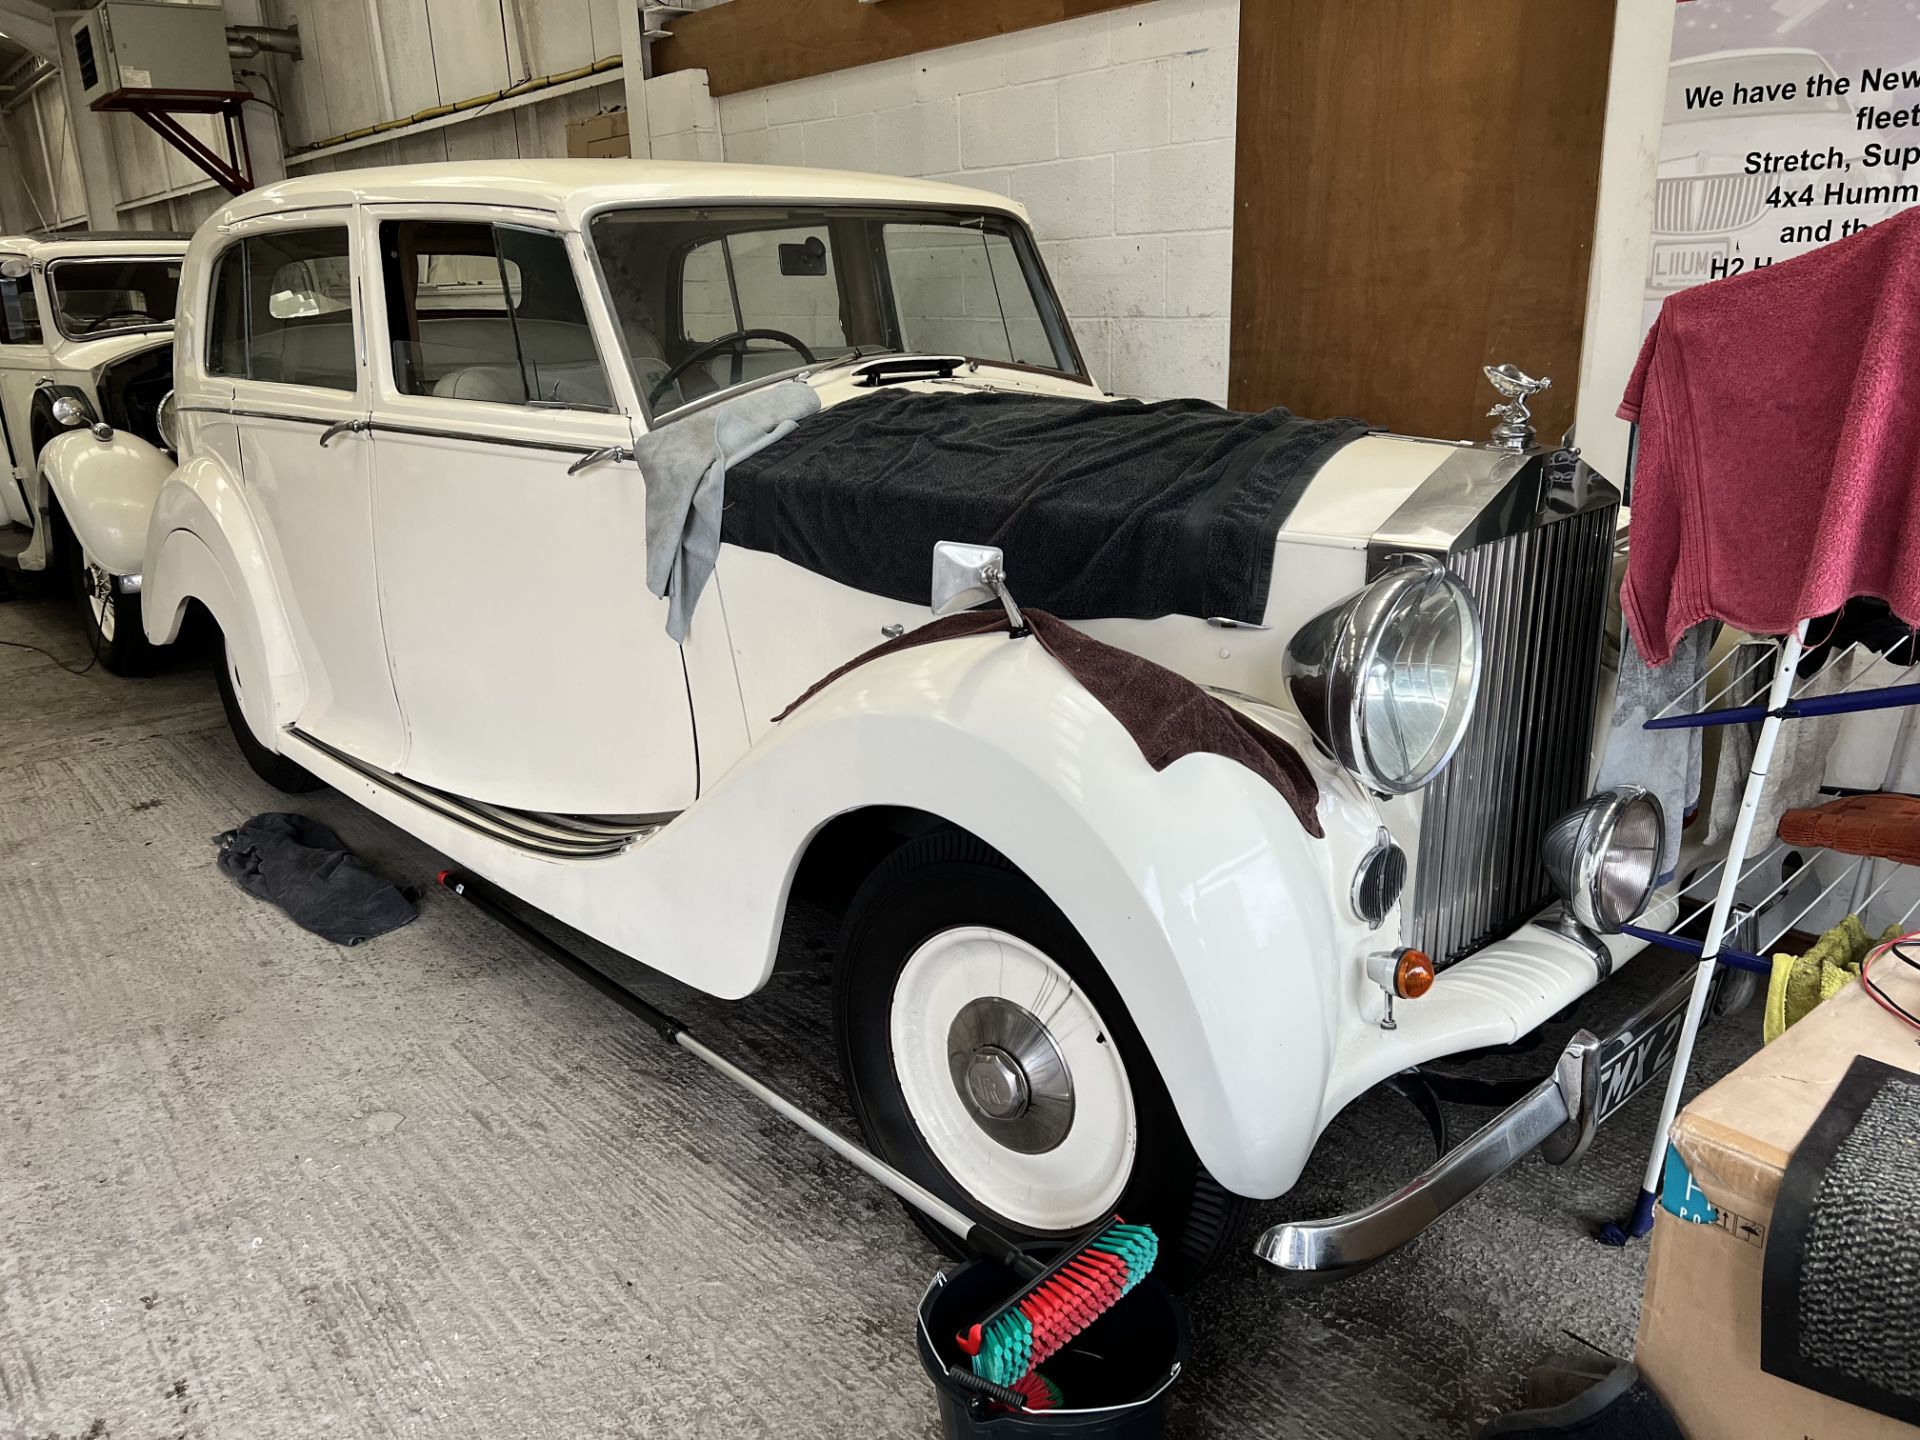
1415 186
745 44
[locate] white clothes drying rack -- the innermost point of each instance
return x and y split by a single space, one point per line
1785 701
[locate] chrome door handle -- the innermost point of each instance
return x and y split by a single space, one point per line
342 427
600 457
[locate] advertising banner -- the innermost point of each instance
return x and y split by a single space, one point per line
1789 124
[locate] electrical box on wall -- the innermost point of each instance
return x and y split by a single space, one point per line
151 45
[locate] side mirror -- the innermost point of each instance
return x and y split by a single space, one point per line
74 413
15 267
968 575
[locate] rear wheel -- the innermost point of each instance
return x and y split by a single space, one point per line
276 769
989 1057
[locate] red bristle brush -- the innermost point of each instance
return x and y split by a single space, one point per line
1038 1320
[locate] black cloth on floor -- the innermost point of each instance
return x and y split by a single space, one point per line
301 866
1166 714
1122 508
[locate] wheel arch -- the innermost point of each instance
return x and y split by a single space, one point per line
203 547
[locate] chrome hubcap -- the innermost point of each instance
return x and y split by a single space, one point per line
1010 1075
99 587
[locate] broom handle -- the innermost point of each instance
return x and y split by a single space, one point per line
981 1239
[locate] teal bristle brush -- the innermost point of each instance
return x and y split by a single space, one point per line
1038 1320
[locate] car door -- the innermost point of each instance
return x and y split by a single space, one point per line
286 329
21 357
530 661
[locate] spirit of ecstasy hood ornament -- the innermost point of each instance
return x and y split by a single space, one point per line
1515 430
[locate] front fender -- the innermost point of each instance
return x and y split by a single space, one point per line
107 490
1209 907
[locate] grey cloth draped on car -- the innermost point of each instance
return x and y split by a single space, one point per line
685 464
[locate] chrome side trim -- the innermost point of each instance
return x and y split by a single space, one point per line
432 433
361 423
559 836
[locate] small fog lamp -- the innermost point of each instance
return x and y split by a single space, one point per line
1603 857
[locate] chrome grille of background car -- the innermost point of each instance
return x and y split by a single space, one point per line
1542 596
1708 204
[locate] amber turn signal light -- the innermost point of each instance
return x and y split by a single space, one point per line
1412 974
1405 974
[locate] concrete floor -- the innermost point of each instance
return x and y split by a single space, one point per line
255 1185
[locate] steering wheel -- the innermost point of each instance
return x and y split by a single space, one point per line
100 320
735 341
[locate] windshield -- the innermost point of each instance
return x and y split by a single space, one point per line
101 297
712 299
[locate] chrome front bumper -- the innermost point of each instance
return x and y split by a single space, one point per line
1558 1117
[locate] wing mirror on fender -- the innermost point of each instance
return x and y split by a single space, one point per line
74 413
968 575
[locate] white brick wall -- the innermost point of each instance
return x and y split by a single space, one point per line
1114 130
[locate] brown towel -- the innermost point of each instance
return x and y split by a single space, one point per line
1167 714
1883 827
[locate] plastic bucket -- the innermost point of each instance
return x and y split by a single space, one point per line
1113 1378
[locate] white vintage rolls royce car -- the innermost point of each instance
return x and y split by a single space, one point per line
1072 980
86 338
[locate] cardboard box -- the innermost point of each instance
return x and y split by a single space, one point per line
1699 1344
599 135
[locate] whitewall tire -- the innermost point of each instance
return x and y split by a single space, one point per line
989 1057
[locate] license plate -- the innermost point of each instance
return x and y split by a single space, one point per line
1677 264
1641 1050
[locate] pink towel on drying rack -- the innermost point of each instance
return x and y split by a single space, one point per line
1779 459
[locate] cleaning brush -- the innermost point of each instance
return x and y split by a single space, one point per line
1037 1321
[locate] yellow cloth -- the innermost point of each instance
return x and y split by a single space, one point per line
1800 982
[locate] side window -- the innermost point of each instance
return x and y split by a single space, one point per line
283 310
487 312
19 314
227 328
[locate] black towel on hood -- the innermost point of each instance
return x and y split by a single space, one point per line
301 866
1106 509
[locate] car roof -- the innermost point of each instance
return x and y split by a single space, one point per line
47 245
573 188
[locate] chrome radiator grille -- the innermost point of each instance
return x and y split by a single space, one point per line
1542 596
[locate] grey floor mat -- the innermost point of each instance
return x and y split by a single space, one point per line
1840 1300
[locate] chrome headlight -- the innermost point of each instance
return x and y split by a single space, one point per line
1387 678
166 419
1603 856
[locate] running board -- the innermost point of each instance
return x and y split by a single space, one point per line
564 837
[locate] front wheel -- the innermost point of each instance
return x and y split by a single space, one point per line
111 616
989 1058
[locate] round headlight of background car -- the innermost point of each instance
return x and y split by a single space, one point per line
1603 856
166 419
1387 679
